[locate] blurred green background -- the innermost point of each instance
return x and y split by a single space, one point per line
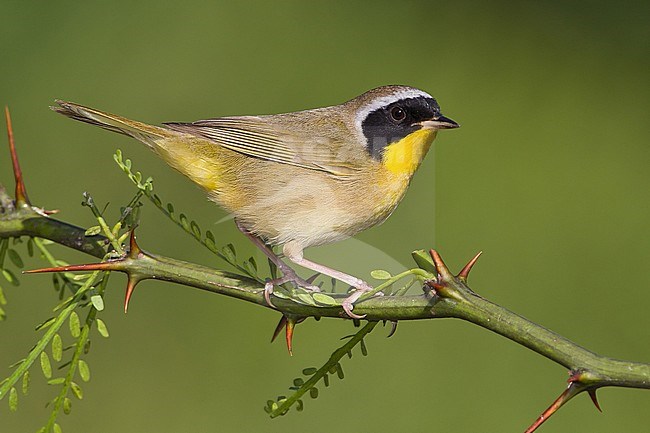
548 176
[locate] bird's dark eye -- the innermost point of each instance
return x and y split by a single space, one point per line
398 114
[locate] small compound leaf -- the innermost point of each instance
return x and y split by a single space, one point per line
57 348
93 231
45 365
380 274
9 276
15 258
30 247
76 390
305 298
13 399
45 324
84 370
25 383
184 223
196 230
309 371
75 326
298 382
324 299
313 392
67 406
56 381
229 253
101 328
98 302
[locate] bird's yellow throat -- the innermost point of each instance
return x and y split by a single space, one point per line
404 156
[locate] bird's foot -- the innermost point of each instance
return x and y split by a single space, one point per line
348 303
289 276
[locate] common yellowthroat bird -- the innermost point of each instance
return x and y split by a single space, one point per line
299 179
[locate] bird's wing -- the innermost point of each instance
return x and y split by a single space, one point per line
255 137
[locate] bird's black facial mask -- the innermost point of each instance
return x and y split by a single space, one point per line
393 122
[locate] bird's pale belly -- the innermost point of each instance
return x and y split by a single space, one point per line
310 209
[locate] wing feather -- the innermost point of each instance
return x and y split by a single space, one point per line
256 137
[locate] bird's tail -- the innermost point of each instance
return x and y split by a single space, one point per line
148 134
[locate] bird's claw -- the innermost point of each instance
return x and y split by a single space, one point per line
348 303
288 277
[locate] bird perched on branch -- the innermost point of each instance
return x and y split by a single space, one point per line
299 179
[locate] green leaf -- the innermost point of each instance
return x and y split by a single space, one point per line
184 223
13 399
30 247
250 266
3 300
309 371
98 302
326 380
313 392
196 230
56 428
25 382
75 326
424 261
364 349
380 274
56 381
76 390
84 370
324 299
298 382
45 324
304 298
15 258
229 253
3 315
45 365
210 236
170 209
101 328
67 406
57 348
299 405
93 231
9 276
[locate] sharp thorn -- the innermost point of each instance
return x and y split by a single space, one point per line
291 323
572 390
441 269
280 326
21 193
392 329
594 399
130 286
464 273
102 266
134 248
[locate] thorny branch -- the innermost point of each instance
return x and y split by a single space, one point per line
444 295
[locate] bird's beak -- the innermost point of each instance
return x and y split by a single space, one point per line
440 122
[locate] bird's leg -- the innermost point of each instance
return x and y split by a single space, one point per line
295 254
288 274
